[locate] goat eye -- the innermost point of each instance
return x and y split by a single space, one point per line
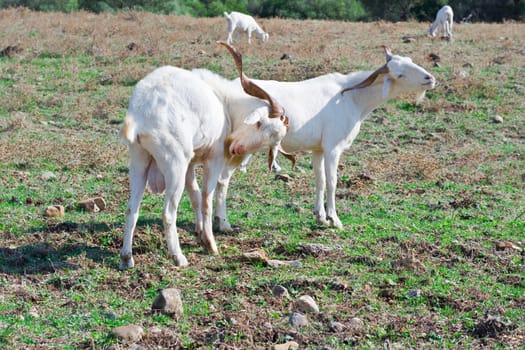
258 125
400 76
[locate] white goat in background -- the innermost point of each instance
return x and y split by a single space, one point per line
246 23
443 22
325 115
176 120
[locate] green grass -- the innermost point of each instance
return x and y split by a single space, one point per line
443 189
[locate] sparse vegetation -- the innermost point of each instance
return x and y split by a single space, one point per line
431 196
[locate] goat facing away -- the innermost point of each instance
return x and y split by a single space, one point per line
325 115
176 120
443 23
243 22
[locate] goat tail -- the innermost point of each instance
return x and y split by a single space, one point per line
128 132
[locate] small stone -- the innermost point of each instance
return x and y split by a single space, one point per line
267 325
168 301
136 347
48 175
306 304
356 323
92 205
503 245
317 249
497 119
55 211
255 255
298 320
154 330
286 346
129 334
33 314
280 263
336 327
463 74
100 202
283 177
280 291
416 293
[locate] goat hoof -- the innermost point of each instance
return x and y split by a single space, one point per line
126 262
321 220
180 261
223 223
335 222
225 227
210 246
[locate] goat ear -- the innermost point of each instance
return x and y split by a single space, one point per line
386 87
256 115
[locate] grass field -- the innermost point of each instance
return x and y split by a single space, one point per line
431 196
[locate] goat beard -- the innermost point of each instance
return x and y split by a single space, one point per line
420 96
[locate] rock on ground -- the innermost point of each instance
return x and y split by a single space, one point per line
306 304
168 301
129 334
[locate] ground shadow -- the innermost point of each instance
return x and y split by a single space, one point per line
43 258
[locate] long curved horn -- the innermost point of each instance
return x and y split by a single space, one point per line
387 53
276 110
372 77
368 81
290 156
272 154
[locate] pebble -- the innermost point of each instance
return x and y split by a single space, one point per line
129 334
286 346
298 320
283 177
306 304
48 175
255 255
497 119
267 325
92 205
280 263
336 327
416 293
356 323
280 291
55 211
168 301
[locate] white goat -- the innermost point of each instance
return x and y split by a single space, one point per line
325 115
246 23
176 120
443 22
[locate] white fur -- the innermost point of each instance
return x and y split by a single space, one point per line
177 119
443 22
246 23
326 122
